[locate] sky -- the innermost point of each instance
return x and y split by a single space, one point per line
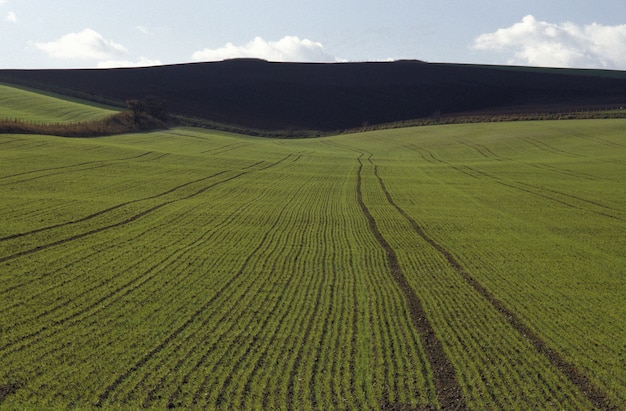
38 34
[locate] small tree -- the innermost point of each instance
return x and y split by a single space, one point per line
136 107
151 106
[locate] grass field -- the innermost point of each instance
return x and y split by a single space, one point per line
24 105
476 266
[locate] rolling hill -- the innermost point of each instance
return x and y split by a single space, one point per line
31 106
328 97
474 266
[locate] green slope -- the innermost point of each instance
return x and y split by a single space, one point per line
208 270
16 103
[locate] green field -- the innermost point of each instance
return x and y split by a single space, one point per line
473 265
24 105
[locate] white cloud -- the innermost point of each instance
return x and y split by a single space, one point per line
540 43
11 17
87 44
142 62
289 48
144 30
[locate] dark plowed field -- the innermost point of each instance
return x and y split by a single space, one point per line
300 96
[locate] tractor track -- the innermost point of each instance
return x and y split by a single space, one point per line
447 387
127 220
597 396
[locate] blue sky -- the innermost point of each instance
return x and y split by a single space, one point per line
110 33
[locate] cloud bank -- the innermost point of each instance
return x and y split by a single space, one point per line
540 43
287 49
11 17
91 45
87 44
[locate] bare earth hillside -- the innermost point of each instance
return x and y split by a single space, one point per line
309 96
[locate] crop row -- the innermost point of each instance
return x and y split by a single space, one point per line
524 250
161 310
403 269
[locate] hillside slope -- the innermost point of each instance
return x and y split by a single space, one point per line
26 105
279 96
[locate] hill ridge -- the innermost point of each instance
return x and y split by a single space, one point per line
270 96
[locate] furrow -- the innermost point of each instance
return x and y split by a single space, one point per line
256 303
447 387
196 316
109 161
577 377
100 301
132 218
539 194
107 210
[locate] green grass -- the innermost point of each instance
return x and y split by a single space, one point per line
212 270
31 106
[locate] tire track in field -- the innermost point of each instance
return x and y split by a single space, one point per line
45 313
197 137
448 390
136 216
223 149
429 157
483 150
548 148
173 400
63 283
106 210
9 141
538 143
578 378
172 336
581 199
73 166
111 387
597 140
568 173
107 163
108 227
531 190
9 183
112 296
494 156
518 185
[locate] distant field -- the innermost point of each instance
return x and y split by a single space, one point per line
479 265
16 103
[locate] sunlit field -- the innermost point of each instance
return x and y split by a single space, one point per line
478 265
30 106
